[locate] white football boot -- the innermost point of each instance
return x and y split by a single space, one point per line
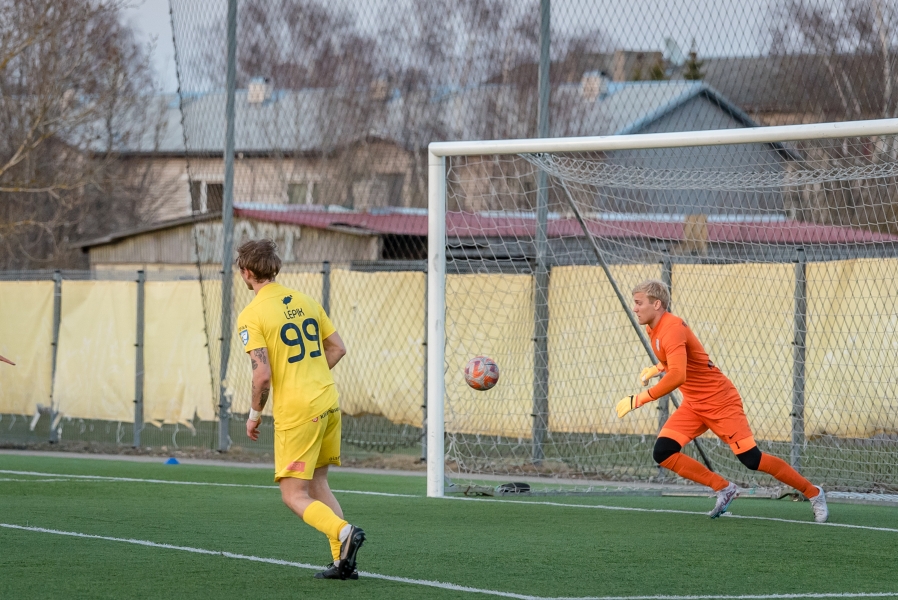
818 503
724 497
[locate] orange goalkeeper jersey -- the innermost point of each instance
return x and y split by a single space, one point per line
686 365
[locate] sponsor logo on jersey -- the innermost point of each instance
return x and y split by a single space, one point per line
287 300
329 411
244 336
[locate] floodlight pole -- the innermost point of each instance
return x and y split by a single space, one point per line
541 276
227 231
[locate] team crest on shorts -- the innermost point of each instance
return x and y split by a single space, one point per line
244 336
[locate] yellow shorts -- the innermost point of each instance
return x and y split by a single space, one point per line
304 448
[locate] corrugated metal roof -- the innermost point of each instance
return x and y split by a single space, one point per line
320 120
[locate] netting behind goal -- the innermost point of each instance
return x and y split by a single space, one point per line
782 257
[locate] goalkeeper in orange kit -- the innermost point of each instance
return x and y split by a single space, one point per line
710 401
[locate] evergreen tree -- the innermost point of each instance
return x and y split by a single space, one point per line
693 70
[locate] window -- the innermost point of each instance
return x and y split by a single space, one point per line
214 197
197 202
302 193
206 197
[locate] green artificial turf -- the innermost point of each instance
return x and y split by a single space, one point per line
546 547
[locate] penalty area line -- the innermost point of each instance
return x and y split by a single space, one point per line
438 584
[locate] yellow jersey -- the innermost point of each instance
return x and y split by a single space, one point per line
293 327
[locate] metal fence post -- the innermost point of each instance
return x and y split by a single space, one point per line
667 278
424 405
326 287
139 366
800 330
57 318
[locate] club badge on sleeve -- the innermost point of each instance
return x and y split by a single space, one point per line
244 336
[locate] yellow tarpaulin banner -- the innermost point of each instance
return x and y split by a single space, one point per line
852 355
380 317
177 380
490 315
743 315
595 355
26 338
97 356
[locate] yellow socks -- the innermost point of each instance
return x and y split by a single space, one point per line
322 518
335 548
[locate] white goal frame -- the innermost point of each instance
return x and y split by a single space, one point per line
436 226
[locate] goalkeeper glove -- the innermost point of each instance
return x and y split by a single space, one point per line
632 402
650 372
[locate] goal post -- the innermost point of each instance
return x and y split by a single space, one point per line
737 209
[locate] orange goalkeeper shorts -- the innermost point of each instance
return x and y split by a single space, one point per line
727 420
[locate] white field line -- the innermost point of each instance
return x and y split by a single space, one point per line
437 584
32 480
455 498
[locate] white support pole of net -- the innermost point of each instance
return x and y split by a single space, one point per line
437 222
436 319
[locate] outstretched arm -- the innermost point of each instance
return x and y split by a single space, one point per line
674 376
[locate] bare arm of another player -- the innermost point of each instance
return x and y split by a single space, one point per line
334 349
6 360
261 388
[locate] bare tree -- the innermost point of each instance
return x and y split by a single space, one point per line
844 56
847 49
70 75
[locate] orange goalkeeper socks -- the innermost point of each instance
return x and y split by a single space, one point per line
322 518
691 469
783 472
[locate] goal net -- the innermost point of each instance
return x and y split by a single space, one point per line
780 246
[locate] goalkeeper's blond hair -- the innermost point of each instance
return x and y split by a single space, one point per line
656 290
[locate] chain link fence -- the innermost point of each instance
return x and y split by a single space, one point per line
119 359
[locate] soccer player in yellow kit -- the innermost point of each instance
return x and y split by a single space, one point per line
293 346
710 401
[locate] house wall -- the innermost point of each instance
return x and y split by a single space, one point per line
362 177
177 245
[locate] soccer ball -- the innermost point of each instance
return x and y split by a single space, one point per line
481 373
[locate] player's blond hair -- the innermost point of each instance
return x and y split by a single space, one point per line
260 257
656 290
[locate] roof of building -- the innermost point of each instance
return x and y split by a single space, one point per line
464 225
721 229
321 120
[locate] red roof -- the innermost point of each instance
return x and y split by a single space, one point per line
471 225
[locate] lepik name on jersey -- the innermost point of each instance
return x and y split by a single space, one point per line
292 313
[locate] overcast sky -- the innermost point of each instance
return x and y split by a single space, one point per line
720 27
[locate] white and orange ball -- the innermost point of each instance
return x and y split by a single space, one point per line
481 373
